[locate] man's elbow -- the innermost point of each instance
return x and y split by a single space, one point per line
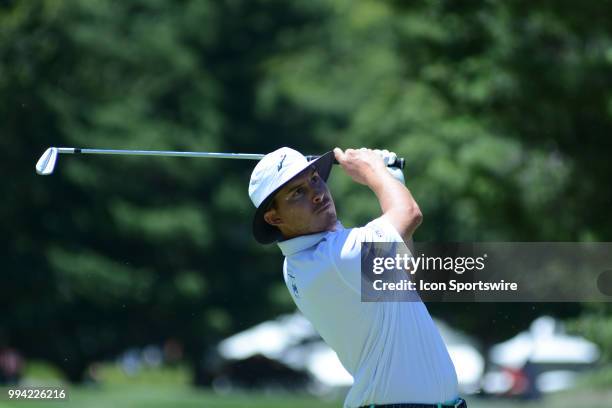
405 218
415 217
408 220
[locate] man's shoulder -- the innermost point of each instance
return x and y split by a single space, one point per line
378 229
341 239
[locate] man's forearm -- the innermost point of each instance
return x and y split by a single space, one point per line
396 202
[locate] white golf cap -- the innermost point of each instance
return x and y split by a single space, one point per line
270 175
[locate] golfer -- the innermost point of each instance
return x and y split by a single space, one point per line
392 349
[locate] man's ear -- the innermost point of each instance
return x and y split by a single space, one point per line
272 217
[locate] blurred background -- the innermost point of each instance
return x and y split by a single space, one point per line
135 281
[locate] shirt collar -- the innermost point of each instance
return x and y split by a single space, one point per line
297 244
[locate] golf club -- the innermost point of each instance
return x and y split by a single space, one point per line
46 163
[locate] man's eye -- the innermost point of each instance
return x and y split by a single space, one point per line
298 191
315 178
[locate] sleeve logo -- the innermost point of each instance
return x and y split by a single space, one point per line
294 287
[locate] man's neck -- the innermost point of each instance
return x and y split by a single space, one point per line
289 236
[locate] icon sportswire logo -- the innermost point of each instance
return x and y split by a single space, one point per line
280 165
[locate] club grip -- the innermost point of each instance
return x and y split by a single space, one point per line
399 162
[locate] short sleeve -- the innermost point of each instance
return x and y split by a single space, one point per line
383 231
346 248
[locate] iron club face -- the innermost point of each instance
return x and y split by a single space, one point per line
46 163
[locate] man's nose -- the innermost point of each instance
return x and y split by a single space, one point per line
318 197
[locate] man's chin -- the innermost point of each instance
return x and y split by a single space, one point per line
327 224
330 222
332 225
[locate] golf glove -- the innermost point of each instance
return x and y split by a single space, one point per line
390 158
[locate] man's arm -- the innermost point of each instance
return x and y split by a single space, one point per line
398 206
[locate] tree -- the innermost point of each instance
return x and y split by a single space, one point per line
111 253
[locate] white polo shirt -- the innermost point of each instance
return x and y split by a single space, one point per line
393 350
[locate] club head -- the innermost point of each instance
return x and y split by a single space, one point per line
46 163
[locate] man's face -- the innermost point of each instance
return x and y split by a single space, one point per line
304 206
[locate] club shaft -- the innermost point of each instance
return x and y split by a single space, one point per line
244 156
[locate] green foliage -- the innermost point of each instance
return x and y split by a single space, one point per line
597 379
502 110
161 396
111 375
116 252
596 324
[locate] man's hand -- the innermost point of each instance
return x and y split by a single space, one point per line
368 167
387 156
363 165
357 163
